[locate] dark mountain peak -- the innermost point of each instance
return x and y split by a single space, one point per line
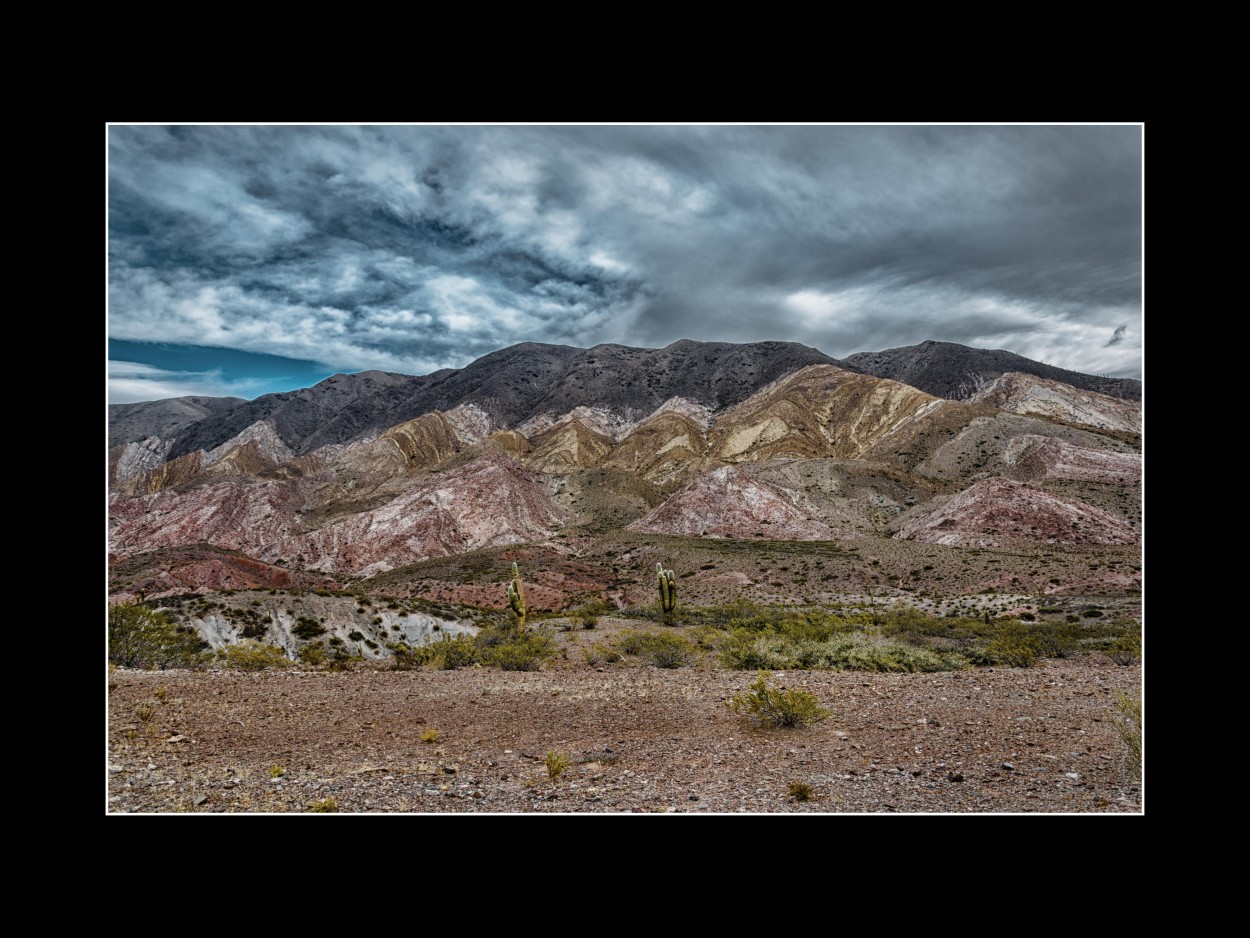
532 379
129 423
950 370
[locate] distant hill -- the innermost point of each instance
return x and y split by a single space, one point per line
957 372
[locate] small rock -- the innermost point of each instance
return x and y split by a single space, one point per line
450 769
694 797
1075 776
1009 767
955 776
151 766
114 769
201 800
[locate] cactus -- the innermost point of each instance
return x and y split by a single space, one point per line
667 581
516 596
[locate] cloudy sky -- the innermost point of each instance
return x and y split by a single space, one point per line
245 260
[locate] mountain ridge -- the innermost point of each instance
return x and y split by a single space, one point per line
957 372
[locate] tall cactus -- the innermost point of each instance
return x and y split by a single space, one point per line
667 581
516 596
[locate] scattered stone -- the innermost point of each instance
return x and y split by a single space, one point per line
955 776
201 800
1009 767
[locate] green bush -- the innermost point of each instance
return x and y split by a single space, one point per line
314 654
141 637
451 654
252 656
307 628
1018 650
853 651
660 649
588 613
1126 649
778 706
599 653
557 763
521 650
802 791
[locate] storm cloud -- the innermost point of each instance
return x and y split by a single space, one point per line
416 248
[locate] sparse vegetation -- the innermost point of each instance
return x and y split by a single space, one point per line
142 637
313 655
778 706
801 792
252 656
588 613
430 736
509 648
1126 649
600 653
661 649
276 771
557 763
323 806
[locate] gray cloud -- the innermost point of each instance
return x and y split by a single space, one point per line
134 381
414 248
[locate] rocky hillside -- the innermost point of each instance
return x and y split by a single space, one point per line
527 382
946 369
1019 393
754 444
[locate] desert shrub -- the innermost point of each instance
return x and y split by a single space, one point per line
661 649
252 656
588 613
1016 650
744 650
307 628
314 654
323 806
557 763
141 637
1126 649
778 706
356 635
276 771
451 654
801 791
430 736
632 641
521 650
669 651
598 653
1129 726
853 651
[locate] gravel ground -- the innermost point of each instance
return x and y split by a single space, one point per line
639 739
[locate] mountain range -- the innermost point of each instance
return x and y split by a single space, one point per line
572 454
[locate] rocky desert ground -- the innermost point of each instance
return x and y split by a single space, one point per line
637 739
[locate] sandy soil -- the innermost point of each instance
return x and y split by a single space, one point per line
639 738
